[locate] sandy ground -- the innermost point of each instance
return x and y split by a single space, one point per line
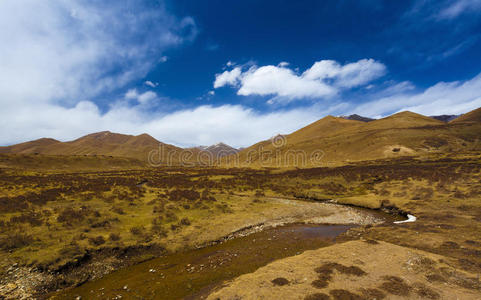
387 272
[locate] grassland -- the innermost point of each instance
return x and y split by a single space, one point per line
61 228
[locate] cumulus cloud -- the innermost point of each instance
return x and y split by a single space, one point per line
324 79
282 82
228 78
349 75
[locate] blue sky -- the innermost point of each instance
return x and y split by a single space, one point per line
200 72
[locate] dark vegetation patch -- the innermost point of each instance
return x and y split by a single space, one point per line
372 294
396 286
317 296
97 241
280 281
15 240
340 294
425 292
324 273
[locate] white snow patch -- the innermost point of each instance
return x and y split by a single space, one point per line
411 218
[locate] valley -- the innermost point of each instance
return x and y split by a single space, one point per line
111 227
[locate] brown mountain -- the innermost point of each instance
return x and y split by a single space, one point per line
470 117
102 143
339 141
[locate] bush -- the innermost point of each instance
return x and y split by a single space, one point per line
137 230
32 218
97 241
15 241
159 230
69 215
185 222
259 193
114 237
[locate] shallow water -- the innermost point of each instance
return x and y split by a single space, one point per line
192 274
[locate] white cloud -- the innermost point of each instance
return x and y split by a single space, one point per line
131 94
62 51
282 82
442 98
349 75
147 97
143 98
211 93
151 84
228 78
453 9
163 59
324 79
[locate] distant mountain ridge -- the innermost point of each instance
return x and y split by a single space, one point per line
445 118
101 143
219 149
356 117
339 139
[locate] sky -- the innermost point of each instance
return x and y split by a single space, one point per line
194 72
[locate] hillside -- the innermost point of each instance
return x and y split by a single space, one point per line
470 117
103 143
334 141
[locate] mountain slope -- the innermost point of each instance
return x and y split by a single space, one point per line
102 143
31 147
470 117
335 141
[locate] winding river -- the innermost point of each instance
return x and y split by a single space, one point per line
192 274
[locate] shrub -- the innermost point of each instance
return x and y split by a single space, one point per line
185 221
97 241
33 219
15 241
114 237
137 230
259 193
159 230
69 215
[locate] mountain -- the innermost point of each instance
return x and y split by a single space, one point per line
470 117
445 118
101 143
31 147
337 141
220 150
329 141
357 118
